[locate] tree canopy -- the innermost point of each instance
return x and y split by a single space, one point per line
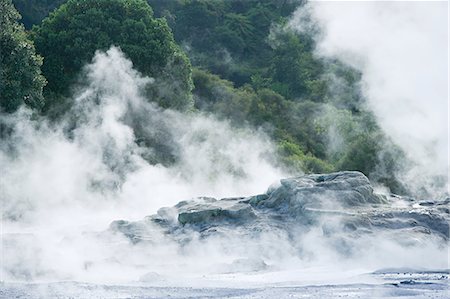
69 37
20 74
34 11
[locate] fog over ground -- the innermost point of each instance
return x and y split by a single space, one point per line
63 183
63 180
402 50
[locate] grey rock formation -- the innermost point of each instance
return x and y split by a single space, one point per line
342 204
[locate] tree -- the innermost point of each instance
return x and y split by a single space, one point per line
34 11
69 37
21 81
296 72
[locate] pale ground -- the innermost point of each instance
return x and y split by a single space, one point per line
391 284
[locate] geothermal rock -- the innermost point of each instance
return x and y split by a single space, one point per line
340 189
342 204
194 212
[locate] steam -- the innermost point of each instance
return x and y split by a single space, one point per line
99 159
401 49
96 165
63 184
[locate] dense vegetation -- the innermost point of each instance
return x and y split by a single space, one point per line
20 74
34 11
249 67
69 37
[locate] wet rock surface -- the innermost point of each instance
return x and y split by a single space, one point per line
342 204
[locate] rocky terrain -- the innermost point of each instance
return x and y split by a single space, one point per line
313 236
343 205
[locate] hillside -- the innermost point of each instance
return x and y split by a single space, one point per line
252 68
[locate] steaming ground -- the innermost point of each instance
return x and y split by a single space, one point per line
63 184
60 180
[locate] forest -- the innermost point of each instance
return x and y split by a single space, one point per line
238 60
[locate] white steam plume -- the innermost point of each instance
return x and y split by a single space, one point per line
100 159
60 180
401 49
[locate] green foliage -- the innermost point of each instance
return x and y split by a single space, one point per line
344 86
34 11
227 37
245 40
217 95
295 71
20 74
293 156
300 139
69 37
361 154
